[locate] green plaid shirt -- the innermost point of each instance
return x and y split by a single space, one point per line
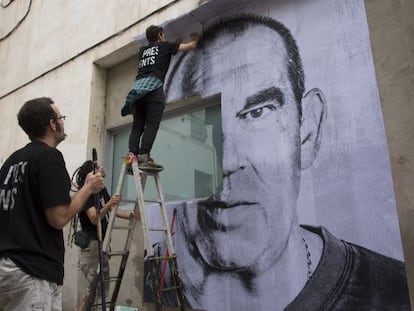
140 88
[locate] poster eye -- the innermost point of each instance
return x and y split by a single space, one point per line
256 113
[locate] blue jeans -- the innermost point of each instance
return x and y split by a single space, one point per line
22 292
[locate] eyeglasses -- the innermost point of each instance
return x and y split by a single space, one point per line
61 117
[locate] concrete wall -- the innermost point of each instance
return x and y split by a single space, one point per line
392 37
62 49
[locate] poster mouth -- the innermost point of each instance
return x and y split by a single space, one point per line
223 216
213 204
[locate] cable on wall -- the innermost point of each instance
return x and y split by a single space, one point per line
89 48
5 5
20 21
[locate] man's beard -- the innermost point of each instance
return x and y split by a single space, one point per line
59 130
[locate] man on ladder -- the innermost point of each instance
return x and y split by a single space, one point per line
146 100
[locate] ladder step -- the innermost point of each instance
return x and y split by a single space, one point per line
153 201
114 278
143 172
118 253
166 289
128 201
162 258
149 173
157 229
107 303
124 227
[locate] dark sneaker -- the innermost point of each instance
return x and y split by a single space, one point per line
145 162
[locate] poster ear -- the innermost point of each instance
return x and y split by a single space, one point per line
313 119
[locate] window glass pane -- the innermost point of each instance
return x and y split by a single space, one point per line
189 147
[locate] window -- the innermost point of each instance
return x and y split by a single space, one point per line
188 145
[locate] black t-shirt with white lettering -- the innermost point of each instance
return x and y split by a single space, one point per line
33 179
86 224
154 59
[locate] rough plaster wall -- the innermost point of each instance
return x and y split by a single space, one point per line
120 80
58 85
55 31
391 27
96 127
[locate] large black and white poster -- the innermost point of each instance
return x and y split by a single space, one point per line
306 217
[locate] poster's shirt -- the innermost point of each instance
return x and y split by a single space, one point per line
351 277
348 277
33 179
154 59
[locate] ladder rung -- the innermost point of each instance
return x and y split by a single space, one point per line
128 201
162 258
123 227
157 229
143 172
107 303
153 201
113 278
118 253
166 289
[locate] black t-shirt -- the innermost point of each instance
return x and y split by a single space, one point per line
86 224
33 179
154 59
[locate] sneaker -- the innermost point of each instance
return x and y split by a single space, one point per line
145 162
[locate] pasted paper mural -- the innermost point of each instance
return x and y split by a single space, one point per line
306 216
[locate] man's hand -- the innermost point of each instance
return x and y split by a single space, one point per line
195 36
132 215
95 182
184 47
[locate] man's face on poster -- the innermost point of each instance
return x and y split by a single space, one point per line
261 143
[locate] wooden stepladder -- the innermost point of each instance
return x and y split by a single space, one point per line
140 206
